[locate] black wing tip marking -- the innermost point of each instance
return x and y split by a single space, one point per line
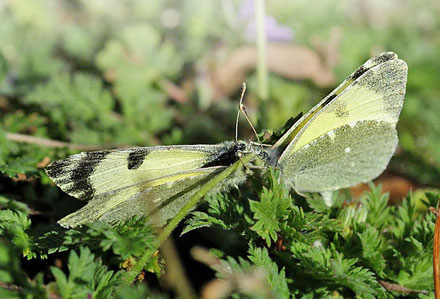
330 98
136 158
374 61
81 174
76 169
57 168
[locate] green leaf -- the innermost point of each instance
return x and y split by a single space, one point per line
224 212
128 238
60 278
259 279
125 239
275 278
371 243
15 224
376 203
417 272
273 207
8 203
327 265
317 203
137 67
24 165
87 277
76 104
201 219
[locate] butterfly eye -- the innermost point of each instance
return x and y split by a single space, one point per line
240 146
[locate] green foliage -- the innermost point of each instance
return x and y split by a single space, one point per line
271 210
298 245
339 248
87 277
331 268
15 160
75 104
124 240
276 279
223 213
15 277
14 222
273 280
137 66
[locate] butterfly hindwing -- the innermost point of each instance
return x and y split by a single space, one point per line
341 159
350 136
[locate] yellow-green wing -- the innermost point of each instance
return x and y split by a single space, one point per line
350 136
287 138
160 199
122 183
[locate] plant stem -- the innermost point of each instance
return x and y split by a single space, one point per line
165 233
436 255
177 277
262 73
22 138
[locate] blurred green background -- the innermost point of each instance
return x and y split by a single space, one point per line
109 73
119 73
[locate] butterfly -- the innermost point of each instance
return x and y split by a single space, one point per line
346 139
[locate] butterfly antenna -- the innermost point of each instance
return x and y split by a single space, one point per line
238 111
242 109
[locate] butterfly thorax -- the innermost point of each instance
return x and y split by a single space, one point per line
226 155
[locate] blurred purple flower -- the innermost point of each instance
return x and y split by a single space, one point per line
275 31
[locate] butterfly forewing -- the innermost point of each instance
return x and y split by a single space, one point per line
90 174
287 138
160 199
112 181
